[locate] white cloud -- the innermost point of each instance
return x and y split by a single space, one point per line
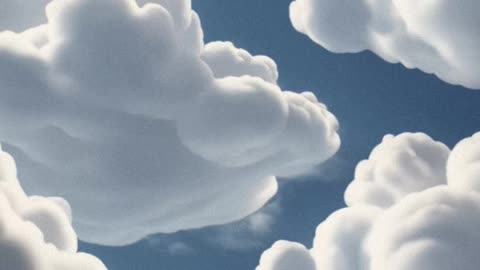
126 113
224 59
36 232
435 229
463 168
419 164
338 240
286 255
427 225
437 37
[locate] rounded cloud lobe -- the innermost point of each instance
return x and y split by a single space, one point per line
435 229
225 60
437 37
420 163
463 168
286 255
428 225
142 127
36 232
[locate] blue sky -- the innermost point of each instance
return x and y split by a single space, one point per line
370 97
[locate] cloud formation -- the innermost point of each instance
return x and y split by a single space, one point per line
437 37
126 113
420 163
400 223
36 232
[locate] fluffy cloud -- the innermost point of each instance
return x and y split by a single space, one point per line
248 233
435 229
286 255
126 113
36 232
224 59
436 36
420 163
426 225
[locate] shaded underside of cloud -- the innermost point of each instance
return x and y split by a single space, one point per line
404 218
439 37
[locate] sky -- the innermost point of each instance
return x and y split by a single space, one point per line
369 96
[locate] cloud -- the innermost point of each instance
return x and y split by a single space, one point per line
426 225
437 37
463 168
225 60
123 110
420 163
36 232
286 255
433 230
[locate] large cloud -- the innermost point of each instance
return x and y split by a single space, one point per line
439 37
434 226
36 232
123 110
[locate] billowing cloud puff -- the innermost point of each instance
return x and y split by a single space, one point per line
435 229
420 163
126 113
436 36
426 227
225 60
338 240
464 164
36 232
286 255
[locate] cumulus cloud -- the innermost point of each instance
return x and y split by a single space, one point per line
36 232
250 232
420 163
426 225
286 255
433 230
122 109
225 60
437 37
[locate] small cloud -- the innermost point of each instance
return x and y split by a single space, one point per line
248 233
146 129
